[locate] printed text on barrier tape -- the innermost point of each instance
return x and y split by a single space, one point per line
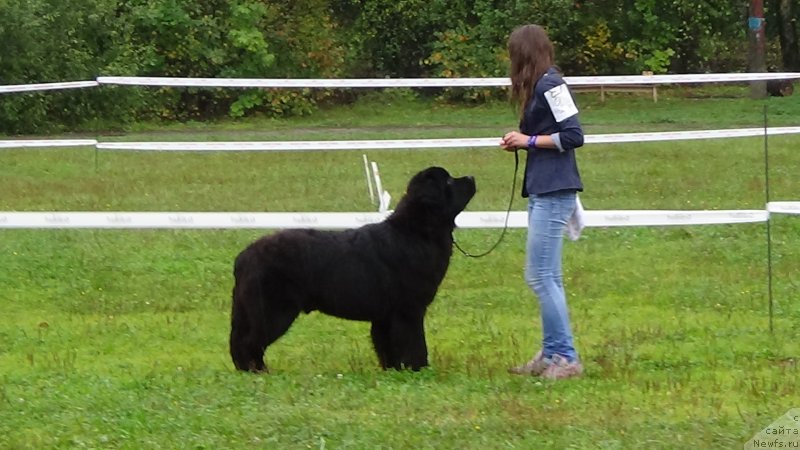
232 220
388 144
429 143
784 207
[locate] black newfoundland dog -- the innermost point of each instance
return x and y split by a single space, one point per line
386 273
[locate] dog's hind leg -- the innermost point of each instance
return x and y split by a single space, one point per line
247 313
245 310
257 321
246 354
245 351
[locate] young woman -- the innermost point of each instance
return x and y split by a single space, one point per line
550 132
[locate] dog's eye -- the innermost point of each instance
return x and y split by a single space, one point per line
449 186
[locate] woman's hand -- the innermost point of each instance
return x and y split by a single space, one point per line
514 140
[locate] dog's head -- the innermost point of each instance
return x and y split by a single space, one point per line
435 187
434 196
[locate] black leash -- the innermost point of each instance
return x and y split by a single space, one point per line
508 213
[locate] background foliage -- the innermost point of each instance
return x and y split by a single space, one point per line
70 40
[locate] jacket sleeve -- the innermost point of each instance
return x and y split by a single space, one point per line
569 135
566 130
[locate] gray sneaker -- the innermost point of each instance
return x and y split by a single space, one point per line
535 366
560 368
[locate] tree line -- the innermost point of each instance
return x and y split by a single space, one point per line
72 40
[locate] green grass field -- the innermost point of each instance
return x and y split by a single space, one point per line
118 339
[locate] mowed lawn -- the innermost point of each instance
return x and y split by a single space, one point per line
118 338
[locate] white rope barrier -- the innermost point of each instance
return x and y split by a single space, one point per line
679 79
386 143
184 220
620 218
299 145
784 207
656 218
41 143
266 83
47 86
342 220
610 80
428 143
687 135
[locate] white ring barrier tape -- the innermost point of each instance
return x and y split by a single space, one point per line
185 220
679 78
784 207
304 82
428 143
47 86
610 80
677 217
687 135
300 145
41 143
342 220
387 144
437 82
620 218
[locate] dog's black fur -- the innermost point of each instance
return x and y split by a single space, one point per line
386 273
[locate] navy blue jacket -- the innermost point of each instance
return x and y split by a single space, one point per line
551 170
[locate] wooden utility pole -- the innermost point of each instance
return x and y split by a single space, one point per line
755 26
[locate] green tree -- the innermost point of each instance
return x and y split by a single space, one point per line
785 16
83 39
676 36
388 37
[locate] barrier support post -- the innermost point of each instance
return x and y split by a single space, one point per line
768 222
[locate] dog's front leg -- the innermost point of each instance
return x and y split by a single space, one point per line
382 342
408 338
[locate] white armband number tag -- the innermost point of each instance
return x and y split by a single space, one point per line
561 103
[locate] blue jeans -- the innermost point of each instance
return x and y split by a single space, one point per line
547 219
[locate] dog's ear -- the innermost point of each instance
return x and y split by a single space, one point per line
429 174
429 202
430 187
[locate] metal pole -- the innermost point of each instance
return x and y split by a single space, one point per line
769 222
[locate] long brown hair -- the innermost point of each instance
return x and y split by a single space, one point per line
531 54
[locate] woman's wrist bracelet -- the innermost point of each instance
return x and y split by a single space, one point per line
532 141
